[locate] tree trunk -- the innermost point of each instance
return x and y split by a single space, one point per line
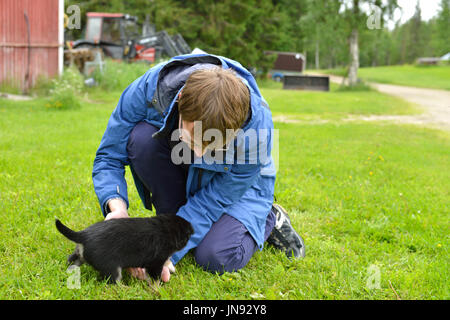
375 52
317 56
354 59
332 58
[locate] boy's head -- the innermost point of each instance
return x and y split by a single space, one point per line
217 98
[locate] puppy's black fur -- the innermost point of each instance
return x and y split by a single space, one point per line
111 245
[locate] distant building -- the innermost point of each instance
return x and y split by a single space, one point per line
446 57
287 63
433 60
31 41
428 60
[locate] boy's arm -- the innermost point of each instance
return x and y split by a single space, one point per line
108 173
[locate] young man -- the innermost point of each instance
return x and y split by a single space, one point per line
187 130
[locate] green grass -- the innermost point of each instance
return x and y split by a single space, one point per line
434 77
359 194
118 74
334 104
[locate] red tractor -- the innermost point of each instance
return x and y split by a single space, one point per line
118 36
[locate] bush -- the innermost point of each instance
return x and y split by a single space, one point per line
66 90
360 86
42 86
117 76
10 86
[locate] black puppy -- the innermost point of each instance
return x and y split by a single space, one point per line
111 245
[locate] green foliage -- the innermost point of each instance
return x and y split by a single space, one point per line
323 32
10 86
42 86
441 36
235 29
231 28
66 90
118 75
243 30
359 86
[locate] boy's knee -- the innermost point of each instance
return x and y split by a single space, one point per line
212 258
139 139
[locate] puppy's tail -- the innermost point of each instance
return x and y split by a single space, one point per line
68 233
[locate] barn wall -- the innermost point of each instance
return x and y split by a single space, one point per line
26 53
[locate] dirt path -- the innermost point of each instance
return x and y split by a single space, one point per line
436 103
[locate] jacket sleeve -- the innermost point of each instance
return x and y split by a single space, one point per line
208 204
109 165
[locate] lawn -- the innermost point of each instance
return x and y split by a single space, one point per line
370 200
434 77
306 105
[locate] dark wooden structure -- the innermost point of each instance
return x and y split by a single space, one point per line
316 83
288 61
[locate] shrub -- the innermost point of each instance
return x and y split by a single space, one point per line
360 86
66 89
42 86
118 75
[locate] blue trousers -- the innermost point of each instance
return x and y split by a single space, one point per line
228 246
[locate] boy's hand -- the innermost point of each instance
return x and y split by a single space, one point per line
168 268
117 215
118 209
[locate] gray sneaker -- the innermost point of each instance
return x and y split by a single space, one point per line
284 237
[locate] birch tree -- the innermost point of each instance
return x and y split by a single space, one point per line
356 18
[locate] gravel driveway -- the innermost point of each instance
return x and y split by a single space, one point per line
436 104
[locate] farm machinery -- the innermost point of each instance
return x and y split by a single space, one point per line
117 35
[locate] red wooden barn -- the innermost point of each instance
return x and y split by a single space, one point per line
31 41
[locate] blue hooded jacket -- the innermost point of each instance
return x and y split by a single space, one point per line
240 188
